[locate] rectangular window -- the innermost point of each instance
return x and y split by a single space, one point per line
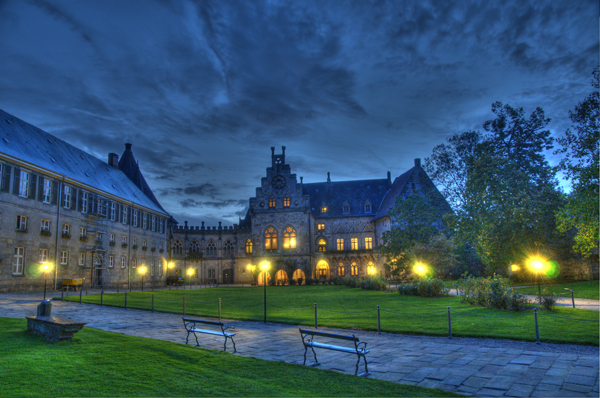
286 202
24 184
134 242
84 202
124 214
341 270
81 259
144 244
160 268
21 223
64 258
135 218
123 262
211 274
153 246
98 237
113 211
340 244
18 261
45 226
320 227
82 233
67 199
153 223
47 192
112 238
66 230
354 269
160 246
144 221
133 262
354 243
368 243
152 267
111 261
271 203
123 240
43 256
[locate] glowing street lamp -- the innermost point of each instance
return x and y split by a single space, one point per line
420 269
142 271
171 265
46 268
265 267
190 273
537 266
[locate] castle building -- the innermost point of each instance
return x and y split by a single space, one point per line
84 217
301 230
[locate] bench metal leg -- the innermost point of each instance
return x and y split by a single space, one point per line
225 344
366 369
314 354
197 344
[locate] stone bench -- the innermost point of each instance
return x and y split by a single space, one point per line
53 328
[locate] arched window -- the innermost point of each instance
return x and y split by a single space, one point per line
211 248
286 202
353 269
270 239
178 248
228 248
322 245
194 247
289 238
249 246
271 203
341 269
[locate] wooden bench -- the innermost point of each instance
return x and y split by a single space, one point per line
190 326
360 348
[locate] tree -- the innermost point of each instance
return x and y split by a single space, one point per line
510 192
580 145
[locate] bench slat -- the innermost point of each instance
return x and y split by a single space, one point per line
349 350
217 333
332 335
202 321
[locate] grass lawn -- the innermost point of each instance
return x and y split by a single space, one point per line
587 290
344 307
98 363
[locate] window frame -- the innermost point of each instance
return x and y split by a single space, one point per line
369 243
18 266
340 243
47 191
64 257
24 183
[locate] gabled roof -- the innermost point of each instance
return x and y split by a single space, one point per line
130 167
21 140
355 193
395 191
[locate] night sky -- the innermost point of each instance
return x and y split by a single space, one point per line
203 89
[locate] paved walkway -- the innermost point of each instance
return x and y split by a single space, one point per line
481 367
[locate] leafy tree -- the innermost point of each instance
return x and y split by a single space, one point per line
581 164
438 252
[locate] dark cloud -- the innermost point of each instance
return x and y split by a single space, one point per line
212 204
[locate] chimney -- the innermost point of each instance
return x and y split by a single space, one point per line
417 162
113 160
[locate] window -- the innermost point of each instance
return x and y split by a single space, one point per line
228 248
346 208
84 202
323 209
123 240
178 248
320 227
135 218
111 261
152 267
271 203
153 223
144 221
113 211
322 245
134 242
368 243
64 258
340 244
66 230
211 248
152 246
354 243
133 262
144 244
43 255
160 268
111 238
47 191
368 208
67 198
270 239
123 262
160 246
354 269
248 246
194 246
21 223
24 184
82 233
211 274
81 259
289 238
18 261
98 237
286 202
341 270
45 226
124 214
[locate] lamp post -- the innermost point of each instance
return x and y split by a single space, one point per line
572 296
537 267
45 268
170 267
142 271
265 267
190 272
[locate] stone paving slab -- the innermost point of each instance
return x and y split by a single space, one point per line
480 367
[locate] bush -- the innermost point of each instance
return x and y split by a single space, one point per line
517 302
309 281
424 288
548 299
292 282
374 283
300 280
490 292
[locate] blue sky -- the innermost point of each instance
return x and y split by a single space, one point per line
203 89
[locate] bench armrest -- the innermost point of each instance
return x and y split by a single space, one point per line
228 327
364 344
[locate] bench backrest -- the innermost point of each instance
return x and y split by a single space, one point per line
190 320
331 335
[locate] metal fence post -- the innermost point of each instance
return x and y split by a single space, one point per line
152 302
183 305
537 330
449 324
101 297
125 300
378 320
80 291
315 315
219 309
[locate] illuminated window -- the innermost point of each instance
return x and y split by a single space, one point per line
340 244
178 248
320 227
354 243
43 255
270 239
368 243
322 245
211 248
323 209
341 269
123 240
228 248
289 238
271 203
354 269
286 202
248 246
194 247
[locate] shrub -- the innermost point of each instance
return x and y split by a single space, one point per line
300 280
292 282
548 299
517 302
490 292
309 281
424 288
374 283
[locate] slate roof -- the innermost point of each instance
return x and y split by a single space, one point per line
395 191
129 166
354 193
23 141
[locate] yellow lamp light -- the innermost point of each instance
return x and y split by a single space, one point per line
190 272
420 269
171 265
142 270
264 266
514 268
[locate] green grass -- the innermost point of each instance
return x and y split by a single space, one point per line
343 307
98 363
587 290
